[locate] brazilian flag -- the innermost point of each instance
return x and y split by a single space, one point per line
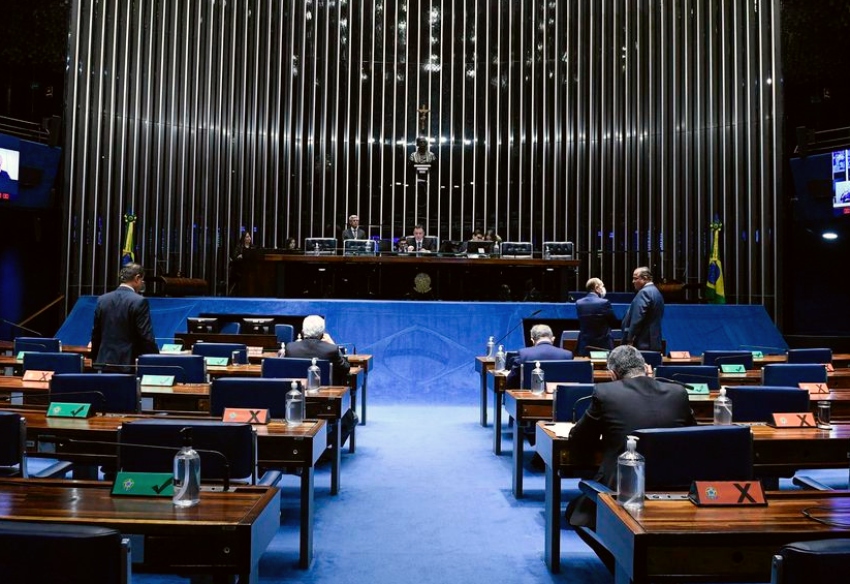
127 255
715 291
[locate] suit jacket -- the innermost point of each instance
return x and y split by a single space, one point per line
595 319
428 243
122 328
642 322
309 348
349 233
617 409
539 352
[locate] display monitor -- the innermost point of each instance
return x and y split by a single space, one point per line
357 247
517 249
27 172
203 324
320 246
479 248
558 249
822 184
257 326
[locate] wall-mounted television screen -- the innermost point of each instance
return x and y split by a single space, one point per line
840 180
257 326
822 184
27 172
10 168
203 324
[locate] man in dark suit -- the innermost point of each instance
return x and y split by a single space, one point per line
595 319
353 231
419 243
315 342
631 402
543 349
122 322
642 322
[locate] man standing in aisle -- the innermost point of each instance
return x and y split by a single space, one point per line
122 322
642 323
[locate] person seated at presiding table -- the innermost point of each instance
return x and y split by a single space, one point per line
418 243
316 342
543 349
631 402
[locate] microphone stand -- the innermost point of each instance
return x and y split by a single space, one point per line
507 334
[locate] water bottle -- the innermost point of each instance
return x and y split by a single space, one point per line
316 250
294 406
547 253
538 382
187 473
282 352
631 468
491 342
499 365
497 249
722 409
314 378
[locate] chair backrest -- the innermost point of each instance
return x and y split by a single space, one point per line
106 392
249 392
756 403
295 368
285 333
818 355
231 328
37 345
653 358
819 561
719 358
708 374
792 374
56 362
675 457
565 403
577 371
59 552
221 350
236 444
13 437
184 368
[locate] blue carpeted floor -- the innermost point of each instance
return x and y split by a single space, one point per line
423 499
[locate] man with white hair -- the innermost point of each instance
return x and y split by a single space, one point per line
543 349
315 342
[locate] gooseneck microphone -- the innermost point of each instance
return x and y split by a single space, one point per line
507 334
21 327
61 441
579 400
674 382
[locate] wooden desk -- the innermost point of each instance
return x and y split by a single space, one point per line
776 452
482 366
526 409
497 383
713 544
278 446
225 534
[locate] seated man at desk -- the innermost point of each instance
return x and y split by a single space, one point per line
631 402
543 349
315 342
419 243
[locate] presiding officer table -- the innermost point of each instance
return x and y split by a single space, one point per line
226 533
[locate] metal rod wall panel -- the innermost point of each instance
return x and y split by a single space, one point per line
624 127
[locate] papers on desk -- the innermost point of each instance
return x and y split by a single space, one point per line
560 429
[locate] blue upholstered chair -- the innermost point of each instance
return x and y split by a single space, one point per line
756 403
59 552
184 368
653 358
577 371
106 392
708 374
792 374
228 450
56 362
819 561
818 355
295 368
566 406
37 345
285 333
249 392
570 337
231 328
222 350
13 451
719 358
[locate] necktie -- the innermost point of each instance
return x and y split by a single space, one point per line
418 245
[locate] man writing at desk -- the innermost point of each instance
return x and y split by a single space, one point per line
419 243
631 402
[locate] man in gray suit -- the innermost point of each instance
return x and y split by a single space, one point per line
122 322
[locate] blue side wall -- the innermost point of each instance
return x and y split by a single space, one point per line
428 348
